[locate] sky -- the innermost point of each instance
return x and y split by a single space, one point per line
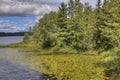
19 15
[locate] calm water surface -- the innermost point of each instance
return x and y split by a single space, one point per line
10 40
12 65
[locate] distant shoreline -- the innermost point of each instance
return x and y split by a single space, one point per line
4 34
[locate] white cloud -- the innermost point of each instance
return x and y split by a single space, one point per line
22 8
31 7
37 18
17 8
7 26
21 25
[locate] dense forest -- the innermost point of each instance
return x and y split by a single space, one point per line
78 28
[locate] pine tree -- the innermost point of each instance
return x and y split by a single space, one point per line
107 26
45 31
78 7
71 7
80 27
111 23
89 29
62 25
97 35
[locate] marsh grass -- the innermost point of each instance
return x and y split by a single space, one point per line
67 66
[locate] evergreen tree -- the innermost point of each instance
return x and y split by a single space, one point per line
111 23
71 7
107 26
62 25
97 35
45 30
89 29
80 27
78 7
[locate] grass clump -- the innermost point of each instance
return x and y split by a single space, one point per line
68 66
112 64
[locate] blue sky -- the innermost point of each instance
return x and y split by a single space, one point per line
19 15
16 23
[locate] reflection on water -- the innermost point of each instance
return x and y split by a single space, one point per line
10 40
12 66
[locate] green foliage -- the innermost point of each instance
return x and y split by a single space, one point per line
26 37
66 66
70 67
107 25
62 26
70 9
112 64
78 27
45 31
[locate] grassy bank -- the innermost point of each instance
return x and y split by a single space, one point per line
67 66
28 44
15 45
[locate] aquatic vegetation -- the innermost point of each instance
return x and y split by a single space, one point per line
67 66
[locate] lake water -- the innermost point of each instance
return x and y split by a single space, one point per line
12 64
10 40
